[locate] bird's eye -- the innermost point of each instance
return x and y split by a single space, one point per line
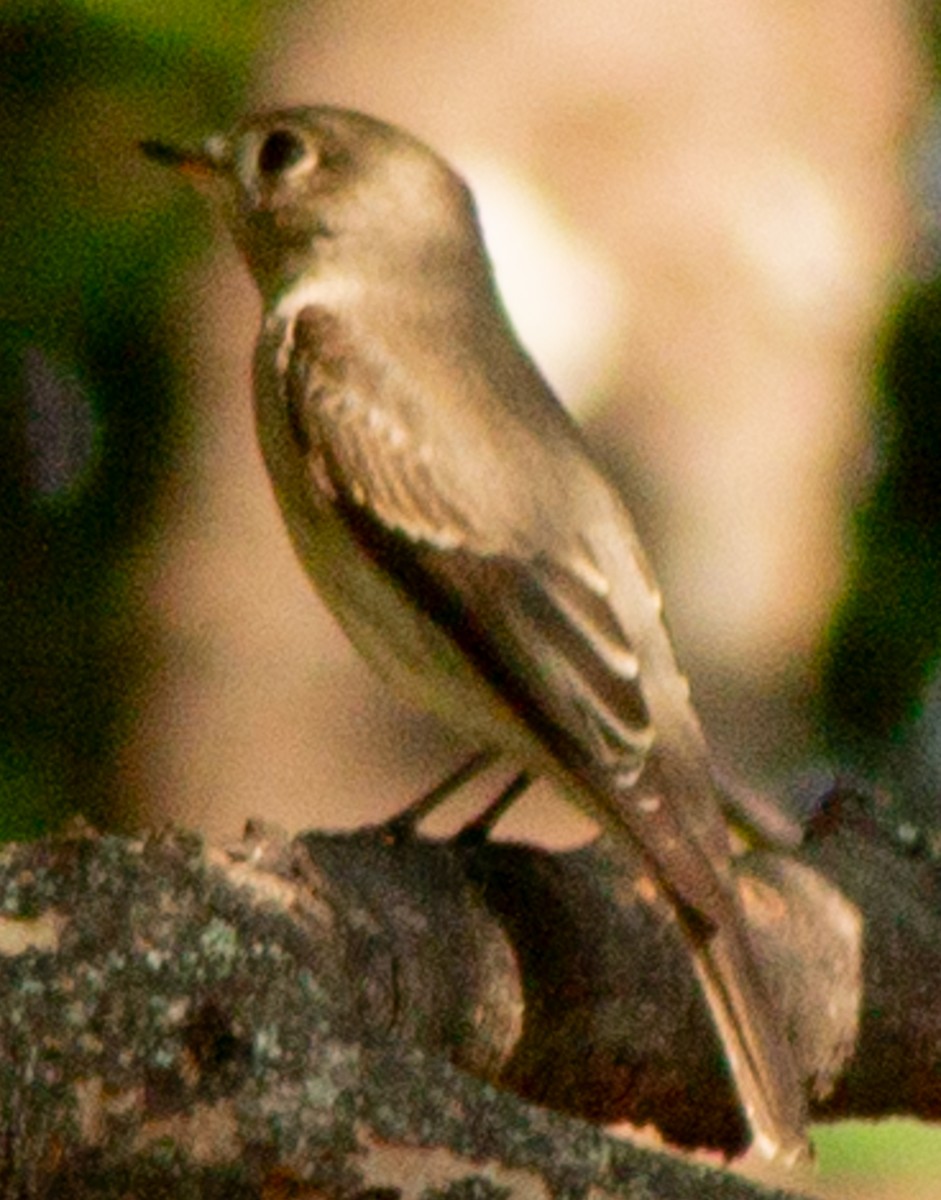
280 150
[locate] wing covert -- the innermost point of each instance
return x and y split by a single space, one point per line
537 622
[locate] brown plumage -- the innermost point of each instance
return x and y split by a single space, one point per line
449 512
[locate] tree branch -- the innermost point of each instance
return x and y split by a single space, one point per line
312 1014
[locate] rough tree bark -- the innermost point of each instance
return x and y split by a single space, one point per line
360 1016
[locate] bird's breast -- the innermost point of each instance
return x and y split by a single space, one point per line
385 624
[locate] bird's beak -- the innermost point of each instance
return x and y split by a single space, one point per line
202 165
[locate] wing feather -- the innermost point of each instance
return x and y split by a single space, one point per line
538 620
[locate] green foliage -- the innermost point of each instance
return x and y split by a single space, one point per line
886 638
893 1150
90 243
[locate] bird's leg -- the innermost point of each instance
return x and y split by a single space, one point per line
403 824
480 828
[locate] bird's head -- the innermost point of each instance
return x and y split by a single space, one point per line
304 188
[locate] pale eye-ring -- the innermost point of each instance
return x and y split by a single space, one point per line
280 150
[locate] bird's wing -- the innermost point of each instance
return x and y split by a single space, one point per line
463 530
449 521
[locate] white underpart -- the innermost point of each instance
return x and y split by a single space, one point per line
332 292
328 291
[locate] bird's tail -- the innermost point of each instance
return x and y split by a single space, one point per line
687 840
760 1056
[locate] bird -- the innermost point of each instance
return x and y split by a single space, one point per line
451 515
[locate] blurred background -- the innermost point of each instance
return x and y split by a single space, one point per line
718 228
